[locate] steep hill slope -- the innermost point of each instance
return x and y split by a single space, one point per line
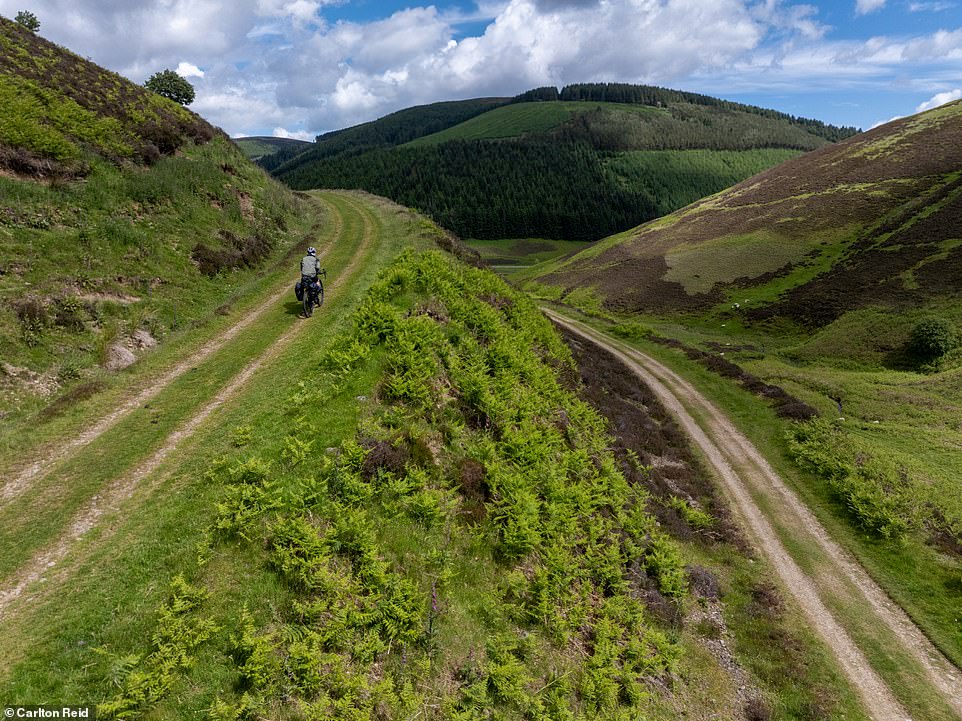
123 217
873 220
577 165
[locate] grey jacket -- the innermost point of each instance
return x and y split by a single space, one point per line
310 265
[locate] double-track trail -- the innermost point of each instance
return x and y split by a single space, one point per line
769 510
52 502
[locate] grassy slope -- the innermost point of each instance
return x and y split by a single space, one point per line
87 262
871 216
518 119
258 146
523 252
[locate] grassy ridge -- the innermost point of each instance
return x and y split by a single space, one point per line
517 119
368 549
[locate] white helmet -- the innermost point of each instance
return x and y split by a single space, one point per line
312 250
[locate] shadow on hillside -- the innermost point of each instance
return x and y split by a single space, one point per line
900 359
292 307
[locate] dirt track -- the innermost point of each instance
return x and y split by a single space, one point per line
111 498
743 471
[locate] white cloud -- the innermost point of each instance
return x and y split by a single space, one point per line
189 70
294 135
940 99
930 7
942 45
864 7
883 122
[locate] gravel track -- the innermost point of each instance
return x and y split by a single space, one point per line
743 470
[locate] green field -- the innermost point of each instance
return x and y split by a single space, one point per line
257 147
522 252
511 121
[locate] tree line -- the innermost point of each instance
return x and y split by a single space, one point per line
663 97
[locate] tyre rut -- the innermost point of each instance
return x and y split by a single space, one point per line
740 466
23 478
111 499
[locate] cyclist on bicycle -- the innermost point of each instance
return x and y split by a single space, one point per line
310 281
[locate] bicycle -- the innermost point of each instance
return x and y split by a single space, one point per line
313 293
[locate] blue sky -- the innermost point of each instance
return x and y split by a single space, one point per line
300 67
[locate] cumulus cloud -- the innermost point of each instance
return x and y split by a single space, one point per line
189 70
864 7
940 99
293 135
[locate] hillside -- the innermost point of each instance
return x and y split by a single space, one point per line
411 509
587 162
871 221
260 146
391 130
124 217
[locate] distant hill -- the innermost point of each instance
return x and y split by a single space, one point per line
577 164
260 146
391 130
121 213
874 221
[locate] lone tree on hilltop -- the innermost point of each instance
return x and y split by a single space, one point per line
171 85
28 20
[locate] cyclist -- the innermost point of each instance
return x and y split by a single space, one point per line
310 265
310 277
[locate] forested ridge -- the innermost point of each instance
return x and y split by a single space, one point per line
581 179
652 95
